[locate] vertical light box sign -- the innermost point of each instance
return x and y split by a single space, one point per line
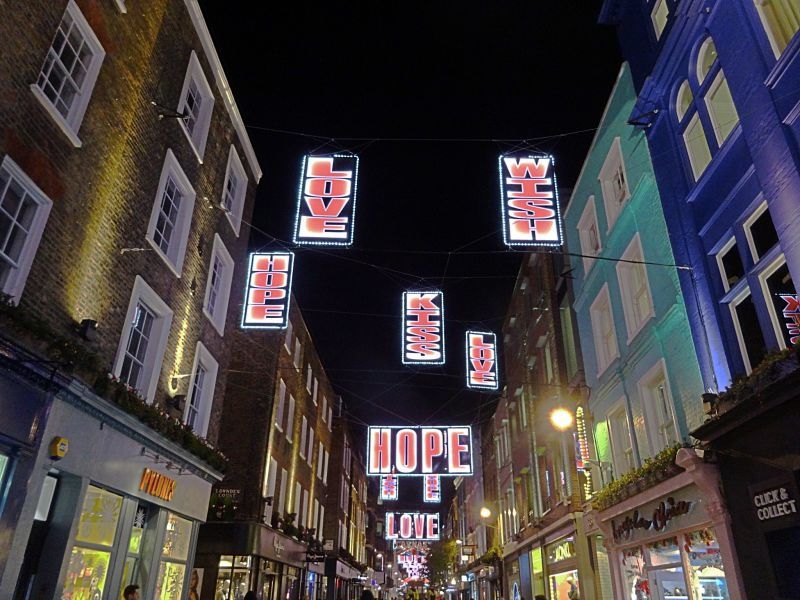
326 200
423 328
268 291
482 360
433 488
529 198
389 487
791 313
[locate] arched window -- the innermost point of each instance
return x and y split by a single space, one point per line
706 58
683 101
781 20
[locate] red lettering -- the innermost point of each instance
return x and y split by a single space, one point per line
423 334
405 526
380 450
318 207
419 526
529 188
262 296
333 227
423 351
267 314
433 527
432 446
482 365
524 230
269 279
329 188
454 449
406 451
322 166
527 167
271 263
422 302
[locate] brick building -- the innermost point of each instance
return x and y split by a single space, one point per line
126 183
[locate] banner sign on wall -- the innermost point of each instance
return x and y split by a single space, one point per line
326 200
389 487
433 489
423 328
529 198
407 451
791 313
412 526
482 360
268 291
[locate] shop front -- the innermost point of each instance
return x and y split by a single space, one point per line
344 581
672 541
109 503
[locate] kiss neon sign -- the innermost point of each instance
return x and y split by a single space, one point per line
389 487
268 291
529 198
433 489
412 526
326 200
423 328
481 360
416 451
791 312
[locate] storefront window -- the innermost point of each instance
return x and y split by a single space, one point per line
91 554
537 572
665 552
667 581
233 578
707 574
564 586
142 528
635 575
174 553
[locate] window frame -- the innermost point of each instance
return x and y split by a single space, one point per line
613 163
653 424
587 219
616 411
632 251
719 255
280 407
194 71
659 30
603 297
740 297
235 168
765 273
717 82
778 46
202 356
121 6
18 277
220 315
290 419
748 234
143 292
171 169
71 124
694 121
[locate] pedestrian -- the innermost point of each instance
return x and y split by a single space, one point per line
131 592
366 594
251 595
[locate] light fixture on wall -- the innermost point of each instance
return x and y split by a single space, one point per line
88 329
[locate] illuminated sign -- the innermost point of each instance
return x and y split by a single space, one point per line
157 485
791 312
481 360
423 328
326 200
529 198
433 489
269 288
405 451
389 487
412 526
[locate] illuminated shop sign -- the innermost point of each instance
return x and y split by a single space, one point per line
389 487
412 526
269 288
481 360
776 504
406 451
529 197
791 314
433 488
326 200
423 328
662 514
157 485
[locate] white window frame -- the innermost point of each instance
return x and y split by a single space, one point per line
219 316
716 84
269 487
235 168
748 223
683 89
324 410
281 407
726 247
617 452
613 163
282 493
287 339
203 357
297 358
297 491
325 468
659 18
320 458
121 6
778 45
290 420
697 168
653 424
315 392
736 301
198 139
589 218
305 508
71 124
155 355
310 451
774 318
15 283
309 377
330 417
603 298
303 436
180 235
634 251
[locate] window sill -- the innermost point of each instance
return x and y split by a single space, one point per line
278 427
633 335
220 328
56 116
602 370
174 268
198 154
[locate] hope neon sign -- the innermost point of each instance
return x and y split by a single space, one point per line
529 198
268 291
481 360
423 328
415 451
412 526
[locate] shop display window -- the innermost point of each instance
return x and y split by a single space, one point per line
564 586
174 553
140 545
170 580
233 578
707 573
664 552
99 517
634 573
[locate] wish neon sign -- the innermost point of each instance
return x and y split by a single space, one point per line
268 290
416 451
423 328
326 200
529 198
481 360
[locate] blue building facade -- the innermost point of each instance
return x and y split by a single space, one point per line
718 98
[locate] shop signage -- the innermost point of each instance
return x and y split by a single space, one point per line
433 488
776 503
423 328
664 512
791 313
268 291
277 545
229 493
157 485
326 200
529 196
563 550
415 451
412 526
481 360
389 487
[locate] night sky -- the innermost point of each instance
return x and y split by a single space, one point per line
434 70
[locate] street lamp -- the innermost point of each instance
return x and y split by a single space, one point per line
485 513
561 419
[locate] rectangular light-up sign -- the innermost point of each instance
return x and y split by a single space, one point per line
423 328
791 313
415 451
433 489
412 526
268 291
389 487
482 360
529 198
326 200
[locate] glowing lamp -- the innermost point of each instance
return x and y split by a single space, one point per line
485 513
561 419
